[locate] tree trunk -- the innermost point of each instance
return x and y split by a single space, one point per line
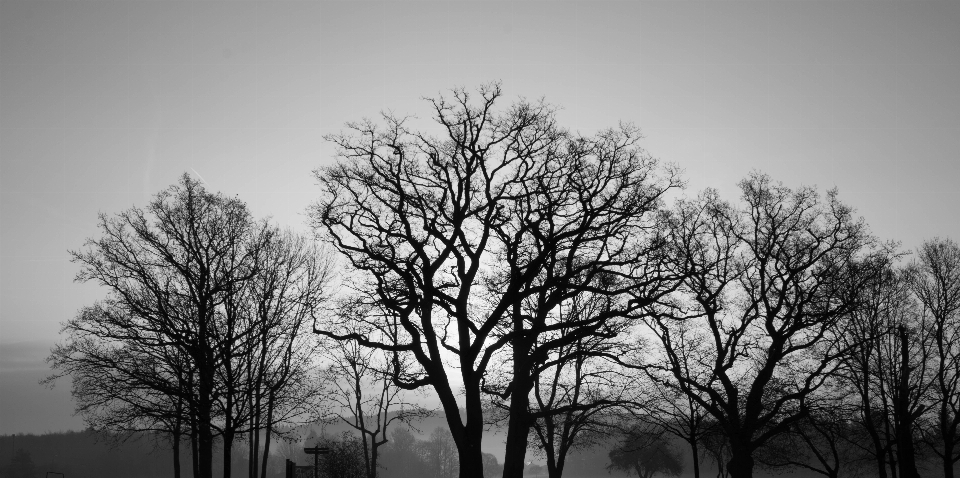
518 430
741 461
553 470
948 459
518 423
948 434
227 453
696 457
892 459
556 462
253 435
373 460
874 438
176 451
906 454
194 445
468 449
266 438
204 444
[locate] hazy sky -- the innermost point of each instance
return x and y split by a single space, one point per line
102 104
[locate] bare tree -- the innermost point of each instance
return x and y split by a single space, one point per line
821 443
580 390
276 353
935 280
125 390
345 459
173 332
865 370
667 406
770 286
452 236
889 369
440 454
715 447
359 384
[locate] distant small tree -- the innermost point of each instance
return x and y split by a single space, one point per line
358 384
440 453
401 455
21 465
672 410
491 467
646 453
345 459
821 443
715 447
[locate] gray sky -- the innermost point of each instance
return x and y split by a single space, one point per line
102 104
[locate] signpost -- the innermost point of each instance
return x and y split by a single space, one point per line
316 452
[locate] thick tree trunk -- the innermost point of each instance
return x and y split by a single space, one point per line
948 459
227 453
468 450
373 461
518 430
555 463
553 470
741 461
471 461
518 422
205 440
467 431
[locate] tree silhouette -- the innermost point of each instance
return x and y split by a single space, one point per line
865 370
768 287
173 344
646 453
21 465
935 280
667 407
470 241
358 384
822 442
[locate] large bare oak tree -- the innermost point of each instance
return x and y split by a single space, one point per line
471 235
768 287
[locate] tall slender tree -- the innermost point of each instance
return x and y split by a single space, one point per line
935 279
866 369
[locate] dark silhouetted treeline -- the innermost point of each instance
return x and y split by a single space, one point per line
85 455
553 285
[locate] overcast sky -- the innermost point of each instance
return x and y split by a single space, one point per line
102 104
